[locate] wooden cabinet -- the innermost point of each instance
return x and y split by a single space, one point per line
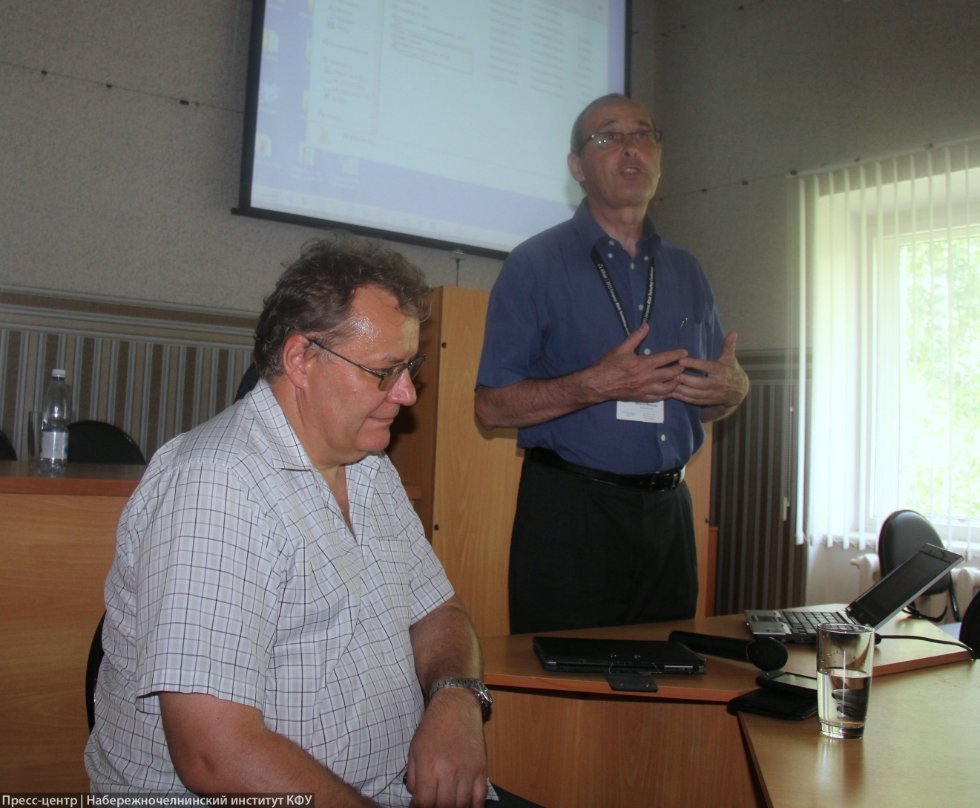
56 545
468 478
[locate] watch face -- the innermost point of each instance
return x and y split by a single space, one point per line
483 696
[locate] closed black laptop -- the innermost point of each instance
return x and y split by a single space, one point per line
586 654
875 607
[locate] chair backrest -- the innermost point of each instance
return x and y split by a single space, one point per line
249 379
95 655
7 451
99 442
901 536
970 627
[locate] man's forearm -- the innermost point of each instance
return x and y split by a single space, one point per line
448 753
717 412
445 645
619 375
532 401
218 746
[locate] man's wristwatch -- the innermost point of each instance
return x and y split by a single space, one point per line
474 685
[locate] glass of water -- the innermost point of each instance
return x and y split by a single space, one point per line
845 654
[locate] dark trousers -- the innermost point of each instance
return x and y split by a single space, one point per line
586 553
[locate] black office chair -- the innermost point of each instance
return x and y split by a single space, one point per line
7 451
970 627
99 442
92 672
249 379
902 534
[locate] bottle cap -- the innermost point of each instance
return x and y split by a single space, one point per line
58 373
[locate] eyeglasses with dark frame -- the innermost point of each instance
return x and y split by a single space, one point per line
607 140
386 376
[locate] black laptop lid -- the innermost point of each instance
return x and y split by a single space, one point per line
902 585
585 654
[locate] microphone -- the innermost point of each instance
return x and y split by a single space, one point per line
765 653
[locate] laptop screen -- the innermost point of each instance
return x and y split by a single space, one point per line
902 585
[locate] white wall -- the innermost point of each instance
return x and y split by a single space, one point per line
126 191
749 91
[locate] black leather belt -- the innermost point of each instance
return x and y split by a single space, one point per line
663 481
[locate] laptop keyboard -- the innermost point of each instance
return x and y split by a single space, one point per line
805 623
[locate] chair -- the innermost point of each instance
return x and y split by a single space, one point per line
92 672
99 442
249 379
970 627
7 451
902 534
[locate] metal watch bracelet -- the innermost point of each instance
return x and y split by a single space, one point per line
475 686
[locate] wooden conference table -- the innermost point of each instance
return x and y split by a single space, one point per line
567 740
919 749
561 739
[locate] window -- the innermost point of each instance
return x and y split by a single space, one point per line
890 313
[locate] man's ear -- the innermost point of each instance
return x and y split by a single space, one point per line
297 357
575 166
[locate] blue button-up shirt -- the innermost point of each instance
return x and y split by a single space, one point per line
550 315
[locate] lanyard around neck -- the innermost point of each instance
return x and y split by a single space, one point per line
614 297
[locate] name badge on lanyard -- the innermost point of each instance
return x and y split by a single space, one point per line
648 412
644 412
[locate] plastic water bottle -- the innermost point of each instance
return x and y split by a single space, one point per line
55 416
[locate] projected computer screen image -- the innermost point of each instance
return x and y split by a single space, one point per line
436 121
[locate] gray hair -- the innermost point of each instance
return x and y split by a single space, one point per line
315 293
578 136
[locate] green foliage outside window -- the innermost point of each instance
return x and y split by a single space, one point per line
940 368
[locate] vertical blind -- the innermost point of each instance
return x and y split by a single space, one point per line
889 298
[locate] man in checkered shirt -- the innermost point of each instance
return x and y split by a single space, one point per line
276 620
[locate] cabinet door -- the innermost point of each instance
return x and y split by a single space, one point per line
467 479
477 473
54 556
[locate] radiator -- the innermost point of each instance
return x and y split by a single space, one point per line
753 485
153 371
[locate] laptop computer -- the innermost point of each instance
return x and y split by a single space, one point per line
587 654
874 607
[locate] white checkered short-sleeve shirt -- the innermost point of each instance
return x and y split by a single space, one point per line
235 575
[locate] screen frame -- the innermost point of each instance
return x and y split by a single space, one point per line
877 605
250 121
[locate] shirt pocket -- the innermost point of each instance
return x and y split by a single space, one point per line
693 337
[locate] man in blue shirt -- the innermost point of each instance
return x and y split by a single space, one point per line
604 348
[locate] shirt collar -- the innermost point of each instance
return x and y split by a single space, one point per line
286 452
591 234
